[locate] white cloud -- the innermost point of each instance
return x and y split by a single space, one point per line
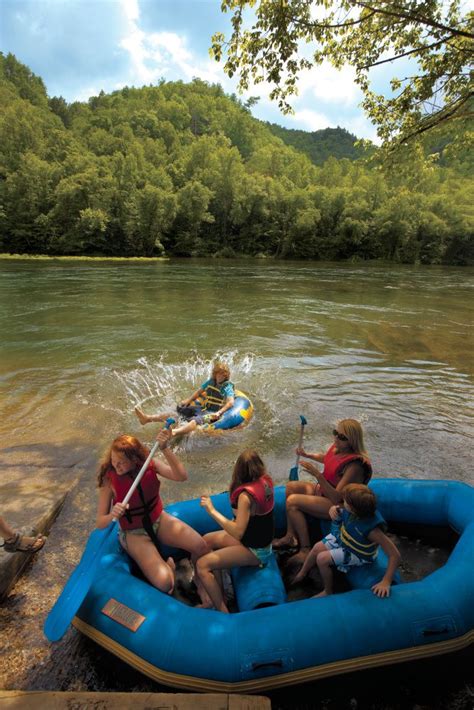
130 9
161 54
330 85
309 120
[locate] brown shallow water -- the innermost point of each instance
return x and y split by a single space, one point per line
83 344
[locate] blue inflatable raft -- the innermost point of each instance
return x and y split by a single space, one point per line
280 643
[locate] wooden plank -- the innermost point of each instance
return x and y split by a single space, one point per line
39 700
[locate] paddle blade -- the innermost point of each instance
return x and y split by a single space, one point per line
77 586
293 474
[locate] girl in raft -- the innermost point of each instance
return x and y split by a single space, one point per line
245 541
143 522
207 404
346 461
358 532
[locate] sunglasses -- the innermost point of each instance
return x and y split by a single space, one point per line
341 437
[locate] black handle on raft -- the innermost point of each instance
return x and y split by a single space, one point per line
267 664
435 632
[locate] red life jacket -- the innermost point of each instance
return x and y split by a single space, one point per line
260 528
145 498
261 491
335 463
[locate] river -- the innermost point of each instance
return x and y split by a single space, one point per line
84 342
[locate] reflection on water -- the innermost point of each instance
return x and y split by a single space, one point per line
83 343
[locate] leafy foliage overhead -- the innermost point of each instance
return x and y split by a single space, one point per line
269 42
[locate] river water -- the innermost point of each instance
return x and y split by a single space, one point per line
84 342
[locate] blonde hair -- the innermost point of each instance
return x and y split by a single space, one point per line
355 436
219 366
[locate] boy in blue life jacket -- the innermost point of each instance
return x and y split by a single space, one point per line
355 538
207 404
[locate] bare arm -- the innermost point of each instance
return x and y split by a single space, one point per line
236 527
319 456
352 474
104 514
382 588
229 402
195 395
173 469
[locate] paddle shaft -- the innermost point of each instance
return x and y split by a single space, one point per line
299 444
140 475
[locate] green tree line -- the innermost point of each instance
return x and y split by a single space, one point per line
183 169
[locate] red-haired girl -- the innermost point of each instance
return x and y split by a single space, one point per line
143 522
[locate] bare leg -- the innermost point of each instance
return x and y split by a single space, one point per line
297 505
172 565
309 562
290 539
324 562
175 533
158 572
185 428
5 530
147 418
235 555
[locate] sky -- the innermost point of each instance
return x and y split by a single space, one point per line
80 47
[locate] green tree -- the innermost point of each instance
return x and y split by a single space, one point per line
156 212
435 35
28 85
192 214
28 196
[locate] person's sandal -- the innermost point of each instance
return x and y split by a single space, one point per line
23 543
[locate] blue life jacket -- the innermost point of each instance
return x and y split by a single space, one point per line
354 532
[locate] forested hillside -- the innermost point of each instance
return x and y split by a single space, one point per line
321 145
184 169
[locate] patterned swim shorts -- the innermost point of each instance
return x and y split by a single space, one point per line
343 558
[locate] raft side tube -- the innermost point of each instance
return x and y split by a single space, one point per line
256 587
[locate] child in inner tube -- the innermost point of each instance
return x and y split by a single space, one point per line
205 406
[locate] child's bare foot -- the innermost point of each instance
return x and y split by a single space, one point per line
142 417
285 541
321 594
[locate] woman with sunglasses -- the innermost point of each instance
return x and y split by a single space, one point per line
346 461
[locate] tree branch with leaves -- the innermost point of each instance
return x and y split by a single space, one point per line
269 39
